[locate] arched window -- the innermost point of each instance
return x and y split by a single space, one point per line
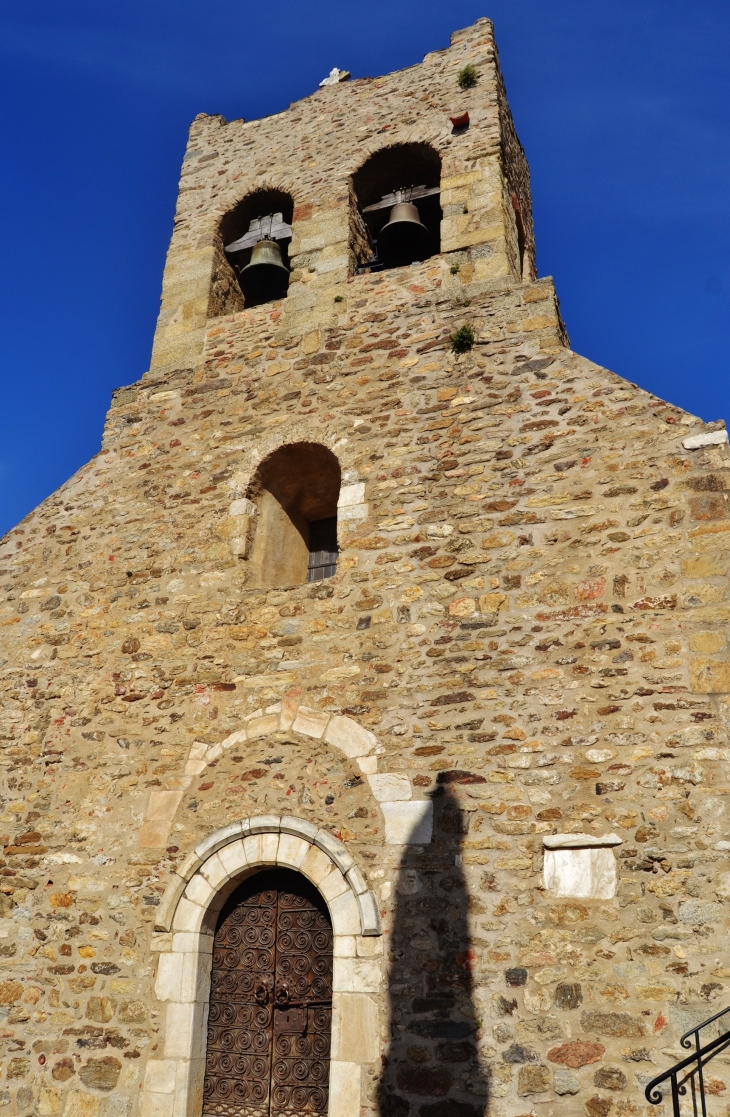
256 235
398 201
295 491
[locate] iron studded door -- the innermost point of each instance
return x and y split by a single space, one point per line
270 1001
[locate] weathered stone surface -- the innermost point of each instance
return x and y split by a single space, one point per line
565 1083
609 1078
532 1080
101 1074
577 1053
568 995
611 1023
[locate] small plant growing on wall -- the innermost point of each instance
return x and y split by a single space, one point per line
468 76
463 340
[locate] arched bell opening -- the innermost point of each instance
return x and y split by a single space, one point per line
256 235
398 201
295 491
270 1008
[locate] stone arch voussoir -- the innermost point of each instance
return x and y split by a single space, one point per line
202 881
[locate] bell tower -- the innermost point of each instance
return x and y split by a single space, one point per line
311 191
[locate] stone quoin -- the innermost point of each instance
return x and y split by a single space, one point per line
377 586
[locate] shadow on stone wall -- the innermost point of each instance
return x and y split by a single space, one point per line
431 1068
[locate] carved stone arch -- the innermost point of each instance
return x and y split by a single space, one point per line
184 936
201 882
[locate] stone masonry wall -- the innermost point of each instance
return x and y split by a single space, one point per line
529 616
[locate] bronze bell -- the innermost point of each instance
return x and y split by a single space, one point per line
266 276
404 239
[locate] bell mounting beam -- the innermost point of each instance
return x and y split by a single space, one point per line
404 194
271 227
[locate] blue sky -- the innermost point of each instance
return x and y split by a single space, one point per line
623 109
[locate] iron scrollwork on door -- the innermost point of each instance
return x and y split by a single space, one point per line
271 1002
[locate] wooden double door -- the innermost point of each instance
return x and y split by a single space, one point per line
270 1017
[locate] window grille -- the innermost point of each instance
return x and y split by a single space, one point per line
322 549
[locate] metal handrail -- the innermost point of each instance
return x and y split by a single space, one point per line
690 1070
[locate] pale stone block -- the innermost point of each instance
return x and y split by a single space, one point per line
242 507
234 857
369 947
345 914
214 871
334 884
195 767
356 880
288 714
264 824
369 913
344 1091
195 979
163 805
355 1028
236 738
214 753
316 865
292 850
269 848
408 823
351 738
170 900
581 873
312 723
356 975
252 849
151 1105
168 982
190 865
188 916
200 891
290 824
220 838
183 1029
353 513
189 1089
712 438
262 727
368 765
344 946
160 1076
186 942
334 848
390 787
351 494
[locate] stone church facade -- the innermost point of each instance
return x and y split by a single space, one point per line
445 832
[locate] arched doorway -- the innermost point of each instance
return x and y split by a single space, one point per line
268 1048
